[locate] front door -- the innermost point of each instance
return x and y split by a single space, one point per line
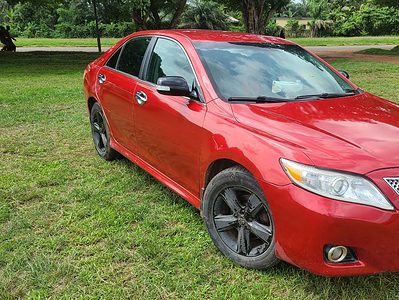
169 128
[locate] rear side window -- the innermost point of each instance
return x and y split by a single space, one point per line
114 59
168 59
132 55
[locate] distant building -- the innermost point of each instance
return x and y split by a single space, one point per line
282 22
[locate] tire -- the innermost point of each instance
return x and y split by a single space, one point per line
100 133
239 219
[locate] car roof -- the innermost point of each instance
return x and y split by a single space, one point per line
197 35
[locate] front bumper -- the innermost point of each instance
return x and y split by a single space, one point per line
305 223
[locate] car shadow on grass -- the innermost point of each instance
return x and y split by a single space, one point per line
380 286
150 180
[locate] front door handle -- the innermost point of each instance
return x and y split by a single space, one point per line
101 78
141 97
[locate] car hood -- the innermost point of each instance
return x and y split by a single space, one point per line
357 133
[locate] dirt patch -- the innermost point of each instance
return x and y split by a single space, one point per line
327 55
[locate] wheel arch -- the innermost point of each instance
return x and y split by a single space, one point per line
216 167
220 164
90 102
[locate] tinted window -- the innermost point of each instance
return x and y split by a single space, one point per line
114 59
168 59
132 55
270 70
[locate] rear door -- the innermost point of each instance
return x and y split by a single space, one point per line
116 84
169 128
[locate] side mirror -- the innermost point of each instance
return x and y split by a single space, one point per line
173 86
346 74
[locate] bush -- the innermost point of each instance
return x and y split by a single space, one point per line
88 30
65 30
65 20
118 29
272 28
294 29
368 20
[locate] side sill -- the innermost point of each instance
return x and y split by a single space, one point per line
177 188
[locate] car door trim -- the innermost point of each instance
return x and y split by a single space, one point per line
200 94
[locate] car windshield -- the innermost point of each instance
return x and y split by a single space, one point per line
263 70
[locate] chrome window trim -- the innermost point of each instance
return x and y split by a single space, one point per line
121 47
201 99
123 73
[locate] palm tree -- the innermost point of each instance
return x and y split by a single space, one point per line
204 14
4 7
9 16
316 9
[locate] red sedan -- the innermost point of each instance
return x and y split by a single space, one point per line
284 156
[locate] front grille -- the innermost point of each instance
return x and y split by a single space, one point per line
393 183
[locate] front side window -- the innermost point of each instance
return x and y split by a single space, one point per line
252 70
132 55
168 59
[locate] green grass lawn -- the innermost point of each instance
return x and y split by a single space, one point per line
44 42
73 225
328 41
377 51
348 41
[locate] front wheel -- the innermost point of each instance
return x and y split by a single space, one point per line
239 220
100 133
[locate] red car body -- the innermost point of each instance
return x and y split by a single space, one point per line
183 143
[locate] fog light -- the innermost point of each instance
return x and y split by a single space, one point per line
337 254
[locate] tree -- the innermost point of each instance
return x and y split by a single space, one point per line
4 8
393 3
256 13
37 3
204 14
317 9
295 10
146 14
364 17
156 14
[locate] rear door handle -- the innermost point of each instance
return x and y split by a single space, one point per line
101 78
141 97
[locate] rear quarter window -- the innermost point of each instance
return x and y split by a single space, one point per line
114 59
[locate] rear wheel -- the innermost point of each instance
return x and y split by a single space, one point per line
100 133
238 219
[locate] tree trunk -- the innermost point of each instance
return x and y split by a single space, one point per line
154 11
139 19
177 14
257 13
148 17
254 16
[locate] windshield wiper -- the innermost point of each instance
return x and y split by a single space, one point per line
327 95
261 99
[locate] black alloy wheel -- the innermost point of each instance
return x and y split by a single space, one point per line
242 221
239 219
100 133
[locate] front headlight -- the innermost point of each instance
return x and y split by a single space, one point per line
335 185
